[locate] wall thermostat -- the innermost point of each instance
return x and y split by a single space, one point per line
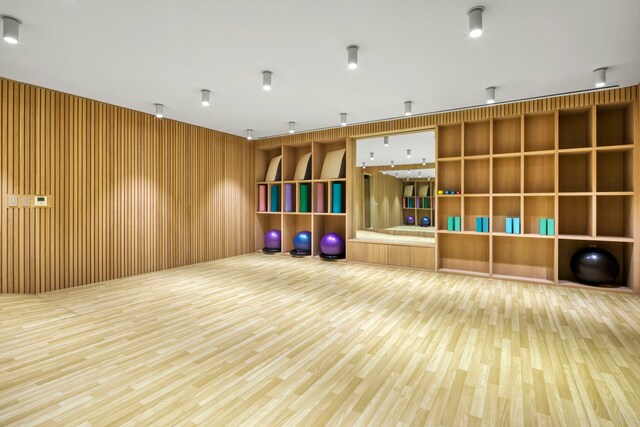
40 201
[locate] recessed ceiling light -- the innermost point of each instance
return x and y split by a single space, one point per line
407 108
371 156
601 76
475 21
292 127
491 95
352 56
10 29
206 98
343 119
159 111
249 134
386 141
266 80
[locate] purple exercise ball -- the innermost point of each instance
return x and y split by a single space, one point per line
272 239
332 244
411 220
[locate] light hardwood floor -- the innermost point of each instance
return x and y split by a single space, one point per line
262 340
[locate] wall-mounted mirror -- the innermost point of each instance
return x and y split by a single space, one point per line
395 186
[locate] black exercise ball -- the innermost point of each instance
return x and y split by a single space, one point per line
594 266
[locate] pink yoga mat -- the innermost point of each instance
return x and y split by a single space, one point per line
320 197
262 198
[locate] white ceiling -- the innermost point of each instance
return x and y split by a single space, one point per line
137 53
421 144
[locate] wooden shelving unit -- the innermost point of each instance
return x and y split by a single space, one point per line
575 166
418 211
300 218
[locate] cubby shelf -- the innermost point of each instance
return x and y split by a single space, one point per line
309 217
572 166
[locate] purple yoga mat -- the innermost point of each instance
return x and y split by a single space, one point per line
288 197
320 197
262 198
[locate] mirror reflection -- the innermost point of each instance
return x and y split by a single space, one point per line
395 188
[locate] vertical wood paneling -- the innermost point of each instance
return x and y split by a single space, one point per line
129 193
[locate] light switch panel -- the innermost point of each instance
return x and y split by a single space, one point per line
25 201
12 200
40 201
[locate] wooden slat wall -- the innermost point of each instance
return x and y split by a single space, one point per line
130 193
625 94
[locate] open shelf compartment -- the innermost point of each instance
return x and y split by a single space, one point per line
323 224
614 171
614 125
292 224
539 174
523 258
290 157
614 216
507 135
506 174
504 207
477 138
476 176
464 253
574 129
575 216
474 207
622 251
574 175
264 223
449 175
536 208
447 206
449 141
539 132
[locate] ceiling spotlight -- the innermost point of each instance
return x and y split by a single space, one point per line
206 98
249 134
419 174
10 29
364 166
266 80
159 111
386 141
371 156
491 95
424 161
407 108
475 21
408 154
352 57
343 119
292 127
601 76
397 175
393 164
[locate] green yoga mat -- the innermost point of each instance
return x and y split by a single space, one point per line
304 198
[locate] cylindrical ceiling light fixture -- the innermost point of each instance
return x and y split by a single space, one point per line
407 108
491 95
371 156
206 98
475 21
393 165
343 119
408 154
419 174
352 56
292 127
364 166
424 161
386 141
10 29
159 111
249 134
601 76
266 80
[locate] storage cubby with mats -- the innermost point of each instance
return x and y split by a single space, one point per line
274 205
474 207
623 252
304 197
449 141
523 258
574 174
323 224
539 132
448 206
536 207
320 150
614 171
264 223
506 174
504 207
337 199
574 128
290 157
614 125
477 138
464 252
263 159
320 193
476 176
292 224
450 175
539 173
575 216
614 216
507 135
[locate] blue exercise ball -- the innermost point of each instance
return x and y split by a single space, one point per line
302 241
425 221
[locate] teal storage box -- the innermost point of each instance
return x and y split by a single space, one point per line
479 224
543 226
457 223
509 225
485 224
516 225
551 227
450 223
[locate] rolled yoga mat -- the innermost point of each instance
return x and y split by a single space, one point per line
262 198
320 197
336 197
275 198
304 198
288 197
